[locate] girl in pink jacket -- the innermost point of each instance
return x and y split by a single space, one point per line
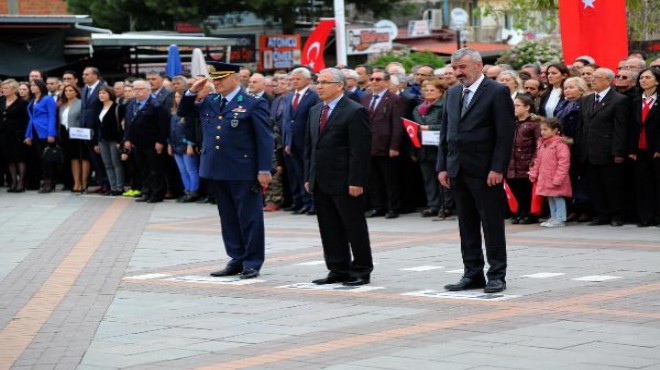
550 170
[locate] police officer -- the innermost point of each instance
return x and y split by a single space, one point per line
236 158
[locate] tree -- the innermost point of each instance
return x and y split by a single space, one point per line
410 60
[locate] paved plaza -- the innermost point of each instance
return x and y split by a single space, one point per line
91 282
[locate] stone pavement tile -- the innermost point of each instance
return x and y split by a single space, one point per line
608 349
392 362
254 338
352 367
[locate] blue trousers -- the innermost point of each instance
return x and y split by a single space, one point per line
189 169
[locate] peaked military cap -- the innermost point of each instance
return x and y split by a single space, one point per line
219 70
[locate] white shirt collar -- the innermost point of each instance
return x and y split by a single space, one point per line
232 94
473 88
653 97
301 91
602 94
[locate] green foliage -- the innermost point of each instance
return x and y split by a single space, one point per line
533 51
410 60
520 11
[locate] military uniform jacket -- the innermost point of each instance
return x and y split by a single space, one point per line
238 141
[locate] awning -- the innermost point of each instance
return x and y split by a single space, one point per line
138 39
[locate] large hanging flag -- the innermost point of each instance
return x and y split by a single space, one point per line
312 54
412 128
596 28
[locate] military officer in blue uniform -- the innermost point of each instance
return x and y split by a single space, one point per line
236 158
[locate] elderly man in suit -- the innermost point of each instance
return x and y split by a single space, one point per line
336 166
476 138
146 134
294 119
237 157
385 111
603 144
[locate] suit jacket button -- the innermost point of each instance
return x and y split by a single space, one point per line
244 155
217 137
218 127
219 117
217 147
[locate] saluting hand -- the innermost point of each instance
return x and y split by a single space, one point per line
198 85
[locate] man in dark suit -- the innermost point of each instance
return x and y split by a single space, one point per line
476 138
257 86
91 107
385 112
294 118
237 157
163 95
146 134
604 147
336 167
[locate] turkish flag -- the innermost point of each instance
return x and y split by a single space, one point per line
510 198
596 28
312 54
412 128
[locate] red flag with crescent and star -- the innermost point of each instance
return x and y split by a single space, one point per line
596 28
312 54
412 128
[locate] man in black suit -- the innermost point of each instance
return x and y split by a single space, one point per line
147 131
476 138
337 152
604 147
90 109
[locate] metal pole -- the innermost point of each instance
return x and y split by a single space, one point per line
340 32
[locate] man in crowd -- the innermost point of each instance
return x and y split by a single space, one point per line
294 118
385 111
532 87
603 145
336 168
635 64
164 96
90 109
53 85
245 77
363 72
625 81
237 157
352 90
147 130
476 138
256 87
421 74
493 72
70 78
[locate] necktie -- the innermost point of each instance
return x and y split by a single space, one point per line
646 107
597 98
296 100
223 102
136 108
465 101
324 117
372 107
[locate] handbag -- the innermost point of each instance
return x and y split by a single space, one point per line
53 154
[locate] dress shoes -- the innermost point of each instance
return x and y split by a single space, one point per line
466 283
311 212
155 200
597 222
357 281
391 214
616 223
291 209
249 274
332 280
529 220
373 213
143 198
495 286
227 271
301 211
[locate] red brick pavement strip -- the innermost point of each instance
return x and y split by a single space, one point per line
19 333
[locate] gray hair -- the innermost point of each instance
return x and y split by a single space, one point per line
146 83
350 73
460 53
514 75
336 74
303 71
439 71
608 73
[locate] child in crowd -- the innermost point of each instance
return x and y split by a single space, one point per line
550 171
181 145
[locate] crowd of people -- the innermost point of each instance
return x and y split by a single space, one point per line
587 138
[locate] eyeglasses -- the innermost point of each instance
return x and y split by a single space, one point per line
621 77
422 75
493 78
327 82
376 79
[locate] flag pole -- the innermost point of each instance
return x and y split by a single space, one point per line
340 32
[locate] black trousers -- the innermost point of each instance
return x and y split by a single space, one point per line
384 189
647 184
607 190
151 167
481 207
344 232
522 190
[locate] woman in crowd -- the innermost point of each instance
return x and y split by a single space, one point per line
524 149
108 134
24 91
41 132
568 113
557 74
644 147
13 123
511 80
76 149
427 115
182 145
550 171
587 75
